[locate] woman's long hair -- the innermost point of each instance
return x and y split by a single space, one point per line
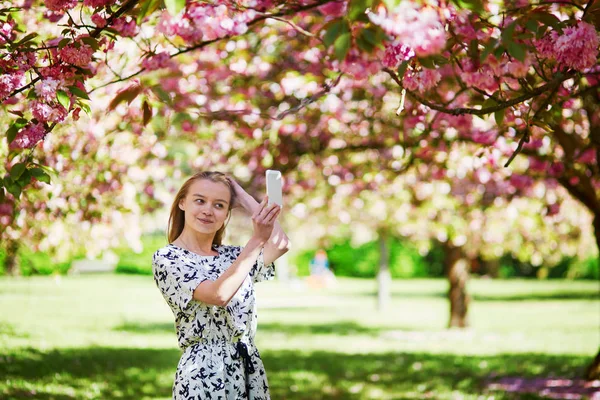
177 216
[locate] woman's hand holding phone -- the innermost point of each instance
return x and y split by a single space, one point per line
264 219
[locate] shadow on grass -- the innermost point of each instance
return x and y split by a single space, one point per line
97 372
146 327
339 328
539 296
123 373
9 330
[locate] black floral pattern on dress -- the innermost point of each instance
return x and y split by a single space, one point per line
211 366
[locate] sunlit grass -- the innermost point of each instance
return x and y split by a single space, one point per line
111 337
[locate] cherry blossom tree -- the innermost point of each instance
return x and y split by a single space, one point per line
519 79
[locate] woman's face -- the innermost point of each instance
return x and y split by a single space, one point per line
206 206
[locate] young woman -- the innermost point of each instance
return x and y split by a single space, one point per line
210 288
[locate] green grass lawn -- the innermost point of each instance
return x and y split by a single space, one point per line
112 337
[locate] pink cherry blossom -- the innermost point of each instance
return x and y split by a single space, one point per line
6 209
28 136
538 165
481 77
334 9
587 157
417 27
98 3
517 68
99 20
203 22
10 82
44 112
156 61
60 5
46 89
556 169
521 182
422 80
53 16
395 54
80 56
359 65
126 26
6 29
553 209
576 48
484 137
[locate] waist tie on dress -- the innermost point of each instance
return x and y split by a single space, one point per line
242 351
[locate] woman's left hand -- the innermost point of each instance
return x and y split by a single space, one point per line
240 194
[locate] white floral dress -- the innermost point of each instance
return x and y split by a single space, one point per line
220 360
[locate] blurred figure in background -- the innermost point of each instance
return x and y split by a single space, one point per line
320 273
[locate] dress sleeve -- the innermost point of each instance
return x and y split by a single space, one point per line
177 279
259 272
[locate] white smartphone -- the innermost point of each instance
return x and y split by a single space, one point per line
274 186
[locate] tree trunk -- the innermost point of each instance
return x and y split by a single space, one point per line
492 268
11 262
457 270
593 370
384 278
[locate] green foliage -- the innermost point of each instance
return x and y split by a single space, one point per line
406 262
584 269
40 263
174 6
568 268
131 262
363 261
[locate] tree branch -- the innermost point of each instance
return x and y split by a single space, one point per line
483 111
208 42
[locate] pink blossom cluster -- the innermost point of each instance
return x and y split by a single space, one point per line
10 82
417 27
98 3
521 182
20 61
462 26
6 29
60 5
482 76
335 8
6 209
576 48
556 169
99 20
80 55
587 156
126 26
537 165
553 209
46 89
421 81
157 61
359 65
44 112
517 68
395 54
260 5
484 137
203 22
53 16
28 136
